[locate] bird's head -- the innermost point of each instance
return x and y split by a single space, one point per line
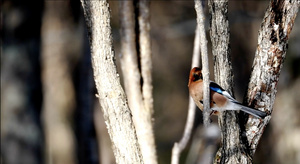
195 75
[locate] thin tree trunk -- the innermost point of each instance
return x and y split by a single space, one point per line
136 67
178 147
220 34
117 115
146 55
231 151
149 152
204 57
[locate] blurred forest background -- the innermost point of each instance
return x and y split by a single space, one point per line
48 94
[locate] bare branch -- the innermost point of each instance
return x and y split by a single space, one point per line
200 39
145 53
146 71
270 54
178 147
139 97
112 98
196 51
204 56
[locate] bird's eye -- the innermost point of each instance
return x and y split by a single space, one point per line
197 76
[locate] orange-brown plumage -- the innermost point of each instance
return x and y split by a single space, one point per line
220 99
196 88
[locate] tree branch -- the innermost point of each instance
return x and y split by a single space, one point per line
196 53
200 39
204 56
112 98
149 152
145 53
178 147
270 54
138 88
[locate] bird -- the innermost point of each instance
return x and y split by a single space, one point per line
221 100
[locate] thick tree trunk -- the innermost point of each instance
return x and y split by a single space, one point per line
117 115
269 57
272 42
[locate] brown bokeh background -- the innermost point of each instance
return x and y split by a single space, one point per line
23 32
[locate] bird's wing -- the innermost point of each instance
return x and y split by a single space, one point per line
215 87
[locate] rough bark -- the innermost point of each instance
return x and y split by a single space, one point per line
231 150
272 42
117 115
269 57
58 89
220 34
136 67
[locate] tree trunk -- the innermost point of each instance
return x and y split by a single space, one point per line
272 42
136 67
231 150
269 57
117 115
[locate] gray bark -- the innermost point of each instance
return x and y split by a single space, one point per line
117 115
231 150
136 67
269 57
204 57
146 54
270 54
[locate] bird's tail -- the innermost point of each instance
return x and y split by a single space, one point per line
253 112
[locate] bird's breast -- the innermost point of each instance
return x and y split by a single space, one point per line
196 93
